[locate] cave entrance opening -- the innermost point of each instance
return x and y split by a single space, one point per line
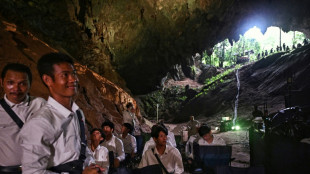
252 46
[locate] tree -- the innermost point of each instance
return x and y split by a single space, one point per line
225 54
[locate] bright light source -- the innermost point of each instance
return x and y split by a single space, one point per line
254 33
225 118
235 128
217 128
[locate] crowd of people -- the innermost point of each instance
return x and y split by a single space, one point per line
38 136
280 48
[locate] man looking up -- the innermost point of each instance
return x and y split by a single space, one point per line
168 157
53 140
100 153
129 141
113 144
16 104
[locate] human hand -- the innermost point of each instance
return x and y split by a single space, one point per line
116 163
93 169
132 154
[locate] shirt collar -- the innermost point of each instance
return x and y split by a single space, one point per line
111 140
165 152
11 104
98 147
64 111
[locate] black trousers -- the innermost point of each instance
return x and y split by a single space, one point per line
10 170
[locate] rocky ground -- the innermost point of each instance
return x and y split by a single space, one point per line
239 140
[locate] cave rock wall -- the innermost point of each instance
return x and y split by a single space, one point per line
139 41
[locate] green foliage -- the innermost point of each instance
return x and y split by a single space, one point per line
299 37
193 68
183 98
213 82
221 75
225 55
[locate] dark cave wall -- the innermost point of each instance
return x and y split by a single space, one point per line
139 41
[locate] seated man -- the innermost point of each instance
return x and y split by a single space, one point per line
130 117
192 126
256 112
100 153
129 142
151 143
189 145
113 144
168 157
170 136
207 138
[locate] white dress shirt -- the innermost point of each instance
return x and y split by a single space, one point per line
171 139
151 144
115 145
171 159
189 149
216 141
130 143
10 149
51 137
101 156
129 117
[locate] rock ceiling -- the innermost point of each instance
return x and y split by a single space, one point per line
134 43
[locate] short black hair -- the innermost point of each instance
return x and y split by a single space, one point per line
129 127
156 129
47 61
161 123
129 105
108 123
18 68
204 129
97 129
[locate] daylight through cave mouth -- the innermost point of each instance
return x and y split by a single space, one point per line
253 45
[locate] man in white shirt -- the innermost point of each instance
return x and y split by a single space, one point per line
113 144
129 114
192 126
53 140
100 153
129 141
151 143
207 138
130 146
189 149
16 81
130 117
171 138
168 156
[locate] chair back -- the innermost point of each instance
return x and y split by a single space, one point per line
238 170
152 169
212 156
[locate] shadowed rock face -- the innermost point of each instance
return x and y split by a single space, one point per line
140 40
99 98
